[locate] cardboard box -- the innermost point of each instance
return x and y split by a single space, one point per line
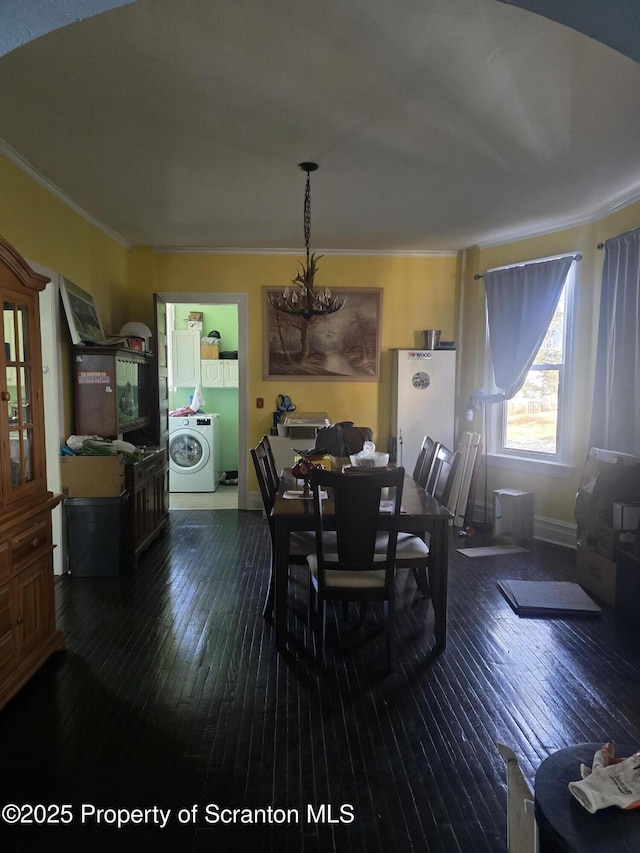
626 516
607 477
209 351
610 539
607 541
596 574
92 476
628 583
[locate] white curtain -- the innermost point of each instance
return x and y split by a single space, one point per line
615 417
521 301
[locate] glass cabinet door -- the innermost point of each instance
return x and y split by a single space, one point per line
16 394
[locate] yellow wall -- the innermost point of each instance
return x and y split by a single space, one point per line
47 231
418 293
554 497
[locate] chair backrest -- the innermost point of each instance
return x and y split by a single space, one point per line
443 471
424 462
272 469
268 489
356 498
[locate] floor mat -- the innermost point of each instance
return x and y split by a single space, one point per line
548 598
491 551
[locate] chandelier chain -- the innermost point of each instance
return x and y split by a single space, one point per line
307 214
301 299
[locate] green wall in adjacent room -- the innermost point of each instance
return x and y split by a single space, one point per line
224 401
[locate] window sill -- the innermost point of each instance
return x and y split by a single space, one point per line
541 467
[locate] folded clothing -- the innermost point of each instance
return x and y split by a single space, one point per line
611 781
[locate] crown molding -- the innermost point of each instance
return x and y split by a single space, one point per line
614 204
222 250
584 218
26 167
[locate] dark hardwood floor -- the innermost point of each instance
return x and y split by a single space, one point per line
170 695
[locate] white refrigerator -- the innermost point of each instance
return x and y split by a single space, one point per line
423 401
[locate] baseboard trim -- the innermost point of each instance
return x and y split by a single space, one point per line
544 529
255 501
554 531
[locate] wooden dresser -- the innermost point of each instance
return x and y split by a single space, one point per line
148 508
28 634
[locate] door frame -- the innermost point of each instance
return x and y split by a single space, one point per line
53 397
242 301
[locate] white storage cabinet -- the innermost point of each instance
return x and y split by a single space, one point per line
185 366
220 373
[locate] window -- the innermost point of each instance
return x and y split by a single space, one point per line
532 425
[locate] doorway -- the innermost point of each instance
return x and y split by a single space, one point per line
53 392
234 438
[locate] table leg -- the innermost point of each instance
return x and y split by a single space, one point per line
280 568
438 579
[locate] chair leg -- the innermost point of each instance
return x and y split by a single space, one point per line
389 614
322 631
311 607
267 610
420 575
345 611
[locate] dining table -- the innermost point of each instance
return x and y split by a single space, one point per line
421 513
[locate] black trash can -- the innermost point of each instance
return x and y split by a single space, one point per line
95 530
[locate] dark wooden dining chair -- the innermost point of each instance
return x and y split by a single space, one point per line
424 462
412 551
300 543
265 451
345 566
443 472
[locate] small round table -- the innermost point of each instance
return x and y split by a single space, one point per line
563 824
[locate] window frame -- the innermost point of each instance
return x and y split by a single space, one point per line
494 416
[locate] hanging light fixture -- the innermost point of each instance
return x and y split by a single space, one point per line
301 299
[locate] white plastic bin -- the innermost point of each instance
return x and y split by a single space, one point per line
513 515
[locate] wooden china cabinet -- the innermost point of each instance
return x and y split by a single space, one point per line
28 634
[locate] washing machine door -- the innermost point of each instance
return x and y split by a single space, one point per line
189 451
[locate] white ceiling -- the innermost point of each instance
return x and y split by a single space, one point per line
437 124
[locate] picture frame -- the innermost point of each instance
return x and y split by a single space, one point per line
82 313
343 346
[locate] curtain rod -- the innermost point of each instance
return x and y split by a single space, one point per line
576 257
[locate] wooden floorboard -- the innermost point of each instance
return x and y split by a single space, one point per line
170 694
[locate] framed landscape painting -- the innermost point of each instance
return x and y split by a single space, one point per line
341 346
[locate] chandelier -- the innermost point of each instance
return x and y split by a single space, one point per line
301 299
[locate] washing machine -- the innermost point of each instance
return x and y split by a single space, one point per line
194 453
